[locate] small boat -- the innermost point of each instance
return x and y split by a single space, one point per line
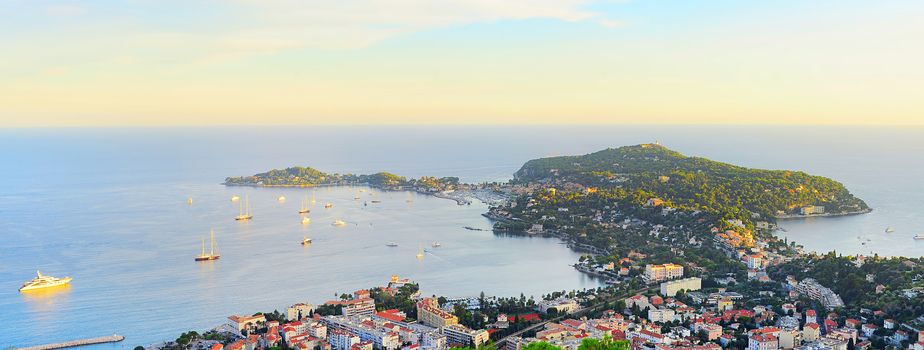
376 201
392 244
235 198
889 230
306 240
212 254
436 245
304 208
306 220
328 205
245 214
189 200
355 198
918 237
281 198
420 254
42 281
339 222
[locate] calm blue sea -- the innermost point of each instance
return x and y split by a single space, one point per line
108 207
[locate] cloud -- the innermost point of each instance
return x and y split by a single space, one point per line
64 10
359 23
609 23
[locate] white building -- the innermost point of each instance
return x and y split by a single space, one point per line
670 288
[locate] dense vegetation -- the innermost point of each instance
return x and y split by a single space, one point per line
308 176
650 171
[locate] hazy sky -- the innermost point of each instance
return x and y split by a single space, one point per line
163 62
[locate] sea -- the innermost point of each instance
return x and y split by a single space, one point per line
109 207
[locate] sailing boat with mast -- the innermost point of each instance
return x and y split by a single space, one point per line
212 254
304 209
244 215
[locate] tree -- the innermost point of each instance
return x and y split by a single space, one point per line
540 345
607 343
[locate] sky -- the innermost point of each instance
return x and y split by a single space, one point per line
280 62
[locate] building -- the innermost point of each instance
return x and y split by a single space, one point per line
812 210
246 323
361 307
639 300
657 273
670 288
341 339
299 311
560 305
457 334
660 315
811 332
763 342
816 291
712 330
790 338
430 314
433 341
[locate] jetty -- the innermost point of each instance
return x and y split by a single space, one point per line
80 342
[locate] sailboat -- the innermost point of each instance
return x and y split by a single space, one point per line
306 220
306 240
189 200
244 215
339 222
304 208
212 255
420 253
235 198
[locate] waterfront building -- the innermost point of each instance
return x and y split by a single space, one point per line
670 288
430 314
457 334
299 311
812 210
657 273
246 323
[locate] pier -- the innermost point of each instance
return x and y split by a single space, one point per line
80 342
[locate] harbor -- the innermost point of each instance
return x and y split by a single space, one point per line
115 338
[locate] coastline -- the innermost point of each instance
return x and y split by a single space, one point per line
824 215
461 197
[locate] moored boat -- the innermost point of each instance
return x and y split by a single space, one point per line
245 213
212 254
